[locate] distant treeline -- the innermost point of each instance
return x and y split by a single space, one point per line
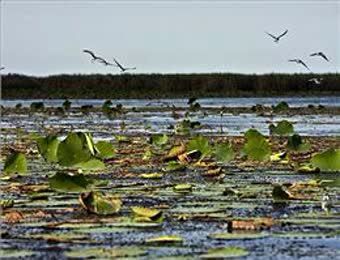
166 85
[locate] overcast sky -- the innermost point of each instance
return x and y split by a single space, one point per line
47 37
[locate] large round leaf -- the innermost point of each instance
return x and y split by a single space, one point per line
15 163
62 181
224 152
105 149
328 160
72 151
48 147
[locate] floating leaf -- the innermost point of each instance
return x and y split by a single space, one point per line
155 175
282 128
92 164
72 150
15 163
328 160
256 146
159 139
296 143
105 150
225 252
200 144
174 152
153 214
99 203
5 204
165 239
48 147
186 187
174 166
105 253
66 182
279 157
224 152
308 169
238 236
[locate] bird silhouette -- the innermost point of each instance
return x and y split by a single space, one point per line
2 68
122 68
94 56
320 54
299 61
277 38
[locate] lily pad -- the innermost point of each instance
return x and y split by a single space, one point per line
48 147
153 214
15 163
200 144
282 128
225 252
165 239
99 203
105 150
106 253
328 160
238 236
159 139
66 182
73 151
224 152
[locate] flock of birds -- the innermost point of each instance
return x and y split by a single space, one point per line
95 58
320 54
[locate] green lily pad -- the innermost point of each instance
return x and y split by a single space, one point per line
153 214
159 139
106 253
48 147
99 203
15 163
238 236
154 175
185 187
328 160
282 128
256 146
224 152
225 252
65 182
105 149
73 151
92 164
166 239
296 143
15 253
200 144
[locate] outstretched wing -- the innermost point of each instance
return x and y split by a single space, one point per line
314 54
293 60
118 64
273 36
91 53
283 34
304 64
323 56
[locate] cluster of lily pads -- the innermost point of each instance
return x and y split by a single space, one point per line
77 153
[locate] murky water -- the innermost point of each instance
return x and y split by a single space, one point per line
205 102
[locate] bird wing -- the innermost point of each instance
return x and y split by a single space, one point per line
323 56
304 64
283 34
273 36
91 53
314 54
293 60
118 64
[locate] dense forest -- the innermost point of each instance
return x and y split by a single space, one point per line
166 85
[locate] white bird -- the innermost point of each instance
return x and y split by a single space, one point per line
298 61
121 66
316 81
277 38
321 54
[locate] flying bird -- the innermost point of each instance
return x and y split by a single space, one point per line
298 61
316 81
2 68
277 38
94 56
121 66
321 54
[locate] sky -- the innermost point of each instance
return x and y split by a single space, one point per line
47 37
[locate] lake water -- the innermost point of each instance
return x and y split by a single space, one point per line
205 102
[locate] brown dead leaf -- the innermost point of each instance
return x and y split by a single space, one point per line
13 217
251 224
